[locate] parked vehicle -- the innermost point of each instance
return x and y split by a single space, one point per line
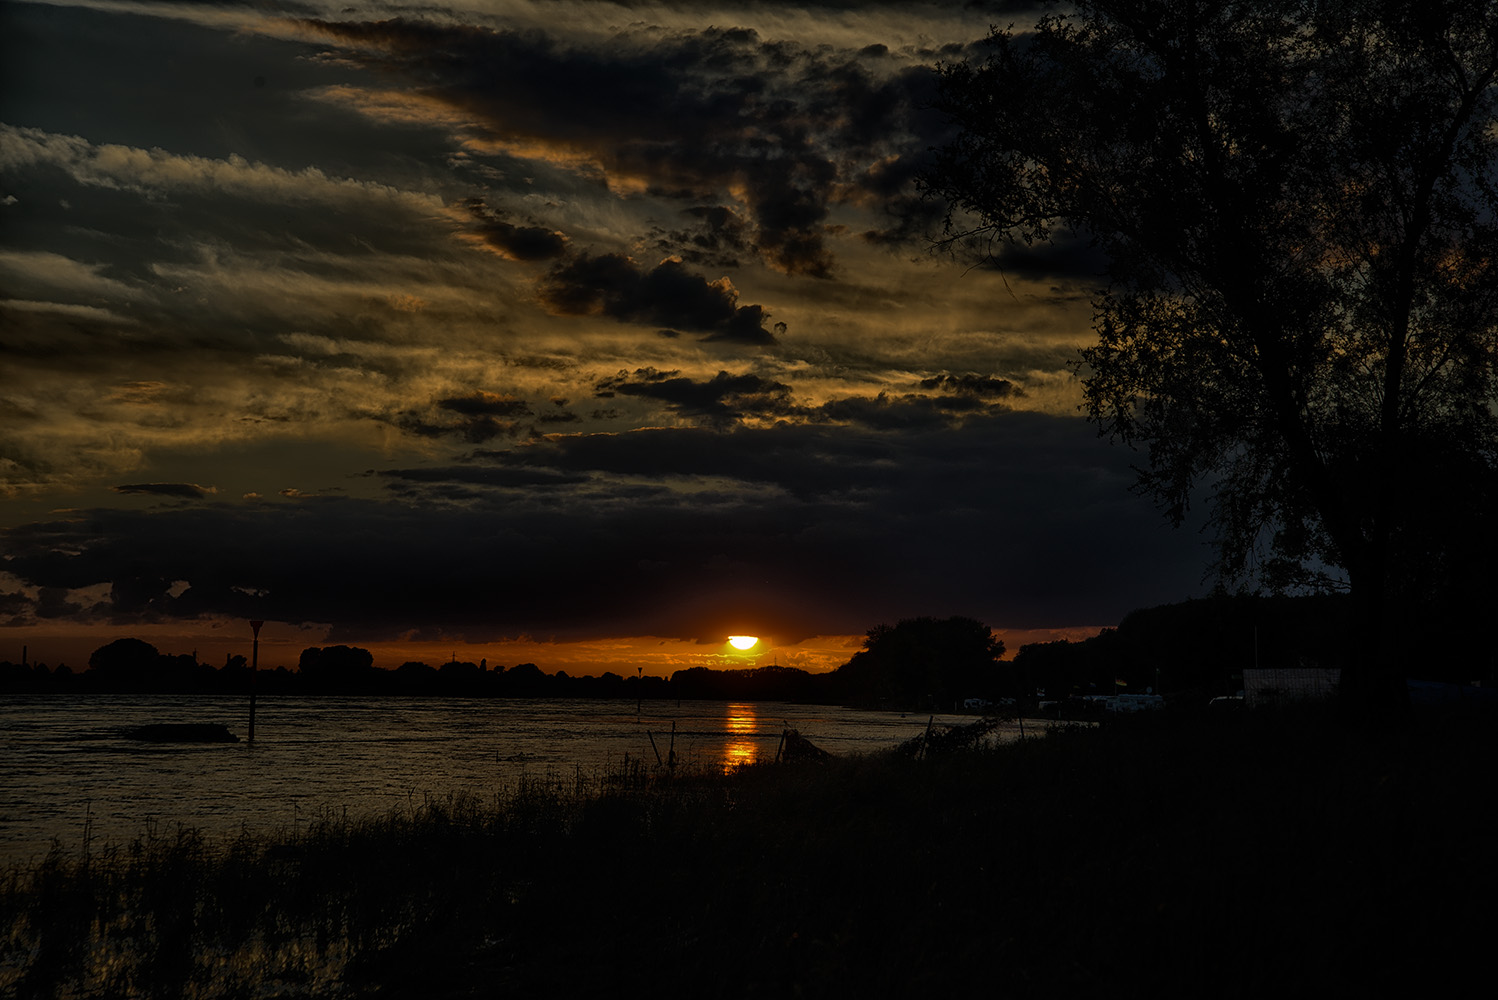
1128 703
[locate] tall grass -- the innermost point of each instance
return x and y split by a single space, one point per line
176 915
1183 854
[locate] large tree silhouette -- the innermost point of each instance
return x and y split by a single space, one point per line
1299 204
922 663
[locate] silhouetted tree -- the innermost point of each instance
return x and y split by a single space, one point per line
1198 647
923 662
609 685
1299 206
17 678
127 657
524 679
342 669
1059 668
462 678
234 675
415 677
131 665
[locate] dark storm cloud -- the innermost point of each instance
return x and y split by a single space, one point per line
476 429
484 475
524 242
972 385
515 242
482 403
726 399
479 416
191 491
713 236
16 608
793 130
52 602
806 461
747 326
969 392
722 398
885 412
49 603
1023 520
801 460
467 483
666 295
921 472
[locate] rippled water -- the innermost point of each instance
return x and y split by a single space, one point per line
64 760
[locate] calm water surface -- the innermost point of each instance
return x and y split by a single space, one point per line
64 759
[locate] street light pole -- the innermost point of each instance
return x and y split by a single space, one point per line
254 669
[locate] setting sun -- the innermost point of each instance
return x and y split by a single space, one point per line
742 641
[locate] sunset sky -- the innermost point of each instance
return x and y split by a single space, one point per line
573 332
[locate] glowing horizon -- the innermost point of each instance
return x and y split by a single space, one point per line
281 645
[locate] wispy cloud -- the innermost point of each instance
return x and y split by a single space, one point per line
156 171
189 491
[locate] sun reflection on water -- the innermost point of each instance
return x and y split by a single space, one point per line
741 725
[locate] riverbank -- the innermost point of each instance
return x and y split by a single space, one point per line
1185 854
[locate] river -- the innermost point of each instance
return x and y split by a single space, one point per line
68 772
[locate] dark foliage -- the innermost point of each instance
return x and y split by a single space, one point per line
337 668
1298 203
1200 647
1196 649
923 663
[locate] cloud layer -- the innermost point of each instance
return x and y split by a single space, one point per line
802 529
564 318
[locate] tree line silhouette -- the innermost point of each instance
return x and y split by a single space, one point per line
1191 651
916 663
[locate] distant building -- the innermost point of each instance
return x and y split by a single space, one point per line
1275 686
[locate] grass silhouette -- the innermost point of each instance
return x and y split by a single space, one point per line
1194 853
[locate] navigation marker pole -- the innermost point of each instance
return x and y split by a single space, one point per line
254 668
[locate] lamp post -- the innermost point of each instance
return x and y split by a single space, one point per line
254 668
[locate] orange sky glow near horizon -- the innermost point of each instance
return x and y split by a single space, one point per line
281 646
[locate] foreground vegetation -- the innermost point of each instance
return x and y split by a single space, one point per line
1189 854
